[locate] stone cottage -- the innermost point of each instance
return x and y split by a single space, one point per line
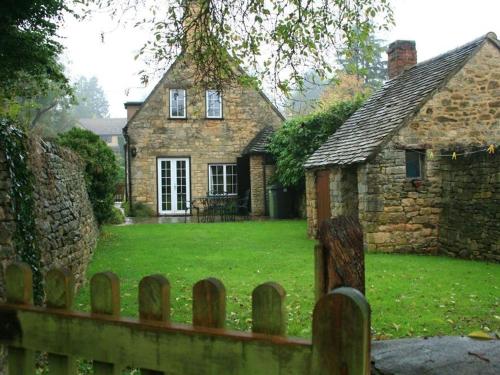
186 141
419 163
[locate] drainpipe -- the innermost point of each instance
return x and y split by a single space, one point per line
128 177
265 184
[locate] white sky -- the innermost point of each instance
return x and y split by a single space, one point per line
436 25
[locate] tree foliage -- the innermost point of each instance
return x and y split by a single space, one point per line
299 137
91 100
366 61
275 40
28 46
346 87
101 169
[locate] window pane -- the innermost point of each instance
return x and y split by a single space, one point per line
214 104
413 164
177 103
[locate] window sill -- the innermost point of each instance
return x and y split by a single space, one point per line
214 118
178 118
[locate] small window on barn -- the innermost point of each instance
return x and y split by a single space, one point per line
415 163
178 103
214 104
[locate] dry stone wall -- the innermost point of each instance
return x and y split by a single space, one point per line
66 231
469 226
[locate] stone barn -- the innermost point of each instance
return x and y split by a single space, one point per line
419 163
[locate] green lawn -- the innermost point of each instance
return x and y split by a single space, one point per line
410 295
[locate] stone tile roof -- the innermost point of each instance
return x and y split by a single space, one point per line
390 107
103 126
259 144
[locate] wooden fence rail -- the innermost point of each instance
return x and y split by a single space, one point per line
340 335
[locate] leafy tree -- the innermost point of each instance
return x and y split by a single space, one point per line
28 47
298 138
276 40
345 87
366 61
307 99
101 169
91 100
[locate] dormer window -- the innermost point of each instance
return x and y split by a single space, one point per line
178 103
214 104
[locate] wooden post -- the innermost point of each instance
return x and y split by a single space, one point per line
209 303
341 334
105 299
268 309
19 290
59 295
319 272
344 262
154 304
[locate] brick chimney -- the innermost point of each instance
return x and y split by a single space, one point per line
401 55
132 108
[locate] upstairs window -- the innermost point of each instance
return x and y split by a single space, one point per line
415 163
178 103
214 104
222 179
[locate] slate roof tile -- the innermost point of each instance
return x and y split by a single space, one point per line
390 107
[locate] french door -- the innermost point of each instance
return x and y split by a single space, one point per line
173 185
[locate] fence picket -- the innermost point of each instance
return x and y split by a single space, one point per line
268 309
154 304
59 295
154 298
341 334
209 303
105 299
19 290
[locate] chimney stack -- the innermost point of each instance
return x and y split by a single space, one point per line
401 55
132 108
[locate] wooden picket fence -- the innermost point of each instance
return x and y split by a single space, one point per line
340 332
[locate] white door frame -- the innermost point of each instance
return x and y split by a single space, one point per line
173 186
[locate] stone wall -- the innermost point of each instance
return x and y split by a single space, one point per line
66 231
257 188
311 203
7 223
205 141
469 225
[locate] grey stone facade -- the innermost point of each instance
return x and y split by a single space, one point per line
453 208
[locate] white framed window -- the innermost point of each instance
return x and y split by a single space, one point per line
177 103
213 104
222 179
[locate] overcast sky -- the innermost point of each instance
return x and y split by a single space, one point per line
435 25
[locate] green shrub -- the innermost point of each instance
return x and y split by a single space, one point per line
126 208
101 169
116 217
299 137
141 210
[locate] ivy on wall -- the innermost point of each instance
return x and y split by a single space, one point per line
13 141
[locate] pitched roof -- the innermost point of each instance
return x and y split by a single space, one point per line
164 77
259 144
391 107
103 126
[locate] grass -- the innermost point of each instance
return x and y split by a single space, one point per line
410 295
